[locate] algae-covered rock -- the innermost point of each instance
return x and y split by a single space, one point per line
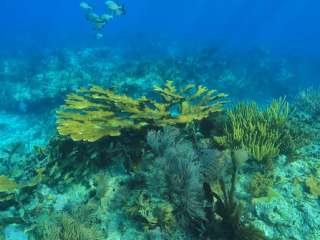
14 232
260 187
282 216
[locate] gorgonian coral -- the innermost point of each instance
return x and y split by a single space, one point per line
63 226
177 175
263 133
94 113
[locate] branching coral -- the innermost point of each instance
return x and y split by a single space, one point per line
94 113
264 134
154 212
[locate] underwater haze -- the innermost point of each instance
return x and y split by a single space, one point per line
159 120
287 25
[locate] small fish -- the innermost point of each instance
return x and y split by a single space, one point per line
119 10
99 25
99 36
106 17
85 6
92 17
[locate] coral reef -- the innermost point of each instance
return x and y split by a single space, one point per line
261 186
166 179
64 227
7 191
7 185
313 184
38 82
230 211
69 161
13 193
180 176
308 101
263 133
96 112
153 212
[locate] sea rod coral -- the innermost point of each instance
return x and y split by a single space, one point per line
263 133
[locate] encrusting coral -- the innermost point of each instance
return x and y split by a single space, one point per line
94 113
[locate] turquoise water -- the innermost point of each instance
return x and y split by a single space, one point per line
159 120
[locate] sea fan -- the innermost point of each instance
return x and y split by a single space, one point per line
177 175
159 141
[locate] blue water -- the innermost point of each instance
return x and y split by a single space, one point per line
286 26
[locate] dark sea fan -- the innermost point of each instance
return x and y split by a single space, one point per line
214 164
159 141
177 175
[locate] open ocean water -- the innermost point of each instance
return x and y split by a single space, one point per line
175 120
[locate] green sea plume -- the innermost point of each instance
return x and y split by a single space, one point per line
263 133
94 113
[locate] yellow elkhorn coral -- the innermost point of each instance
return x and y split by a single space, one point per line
94 113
